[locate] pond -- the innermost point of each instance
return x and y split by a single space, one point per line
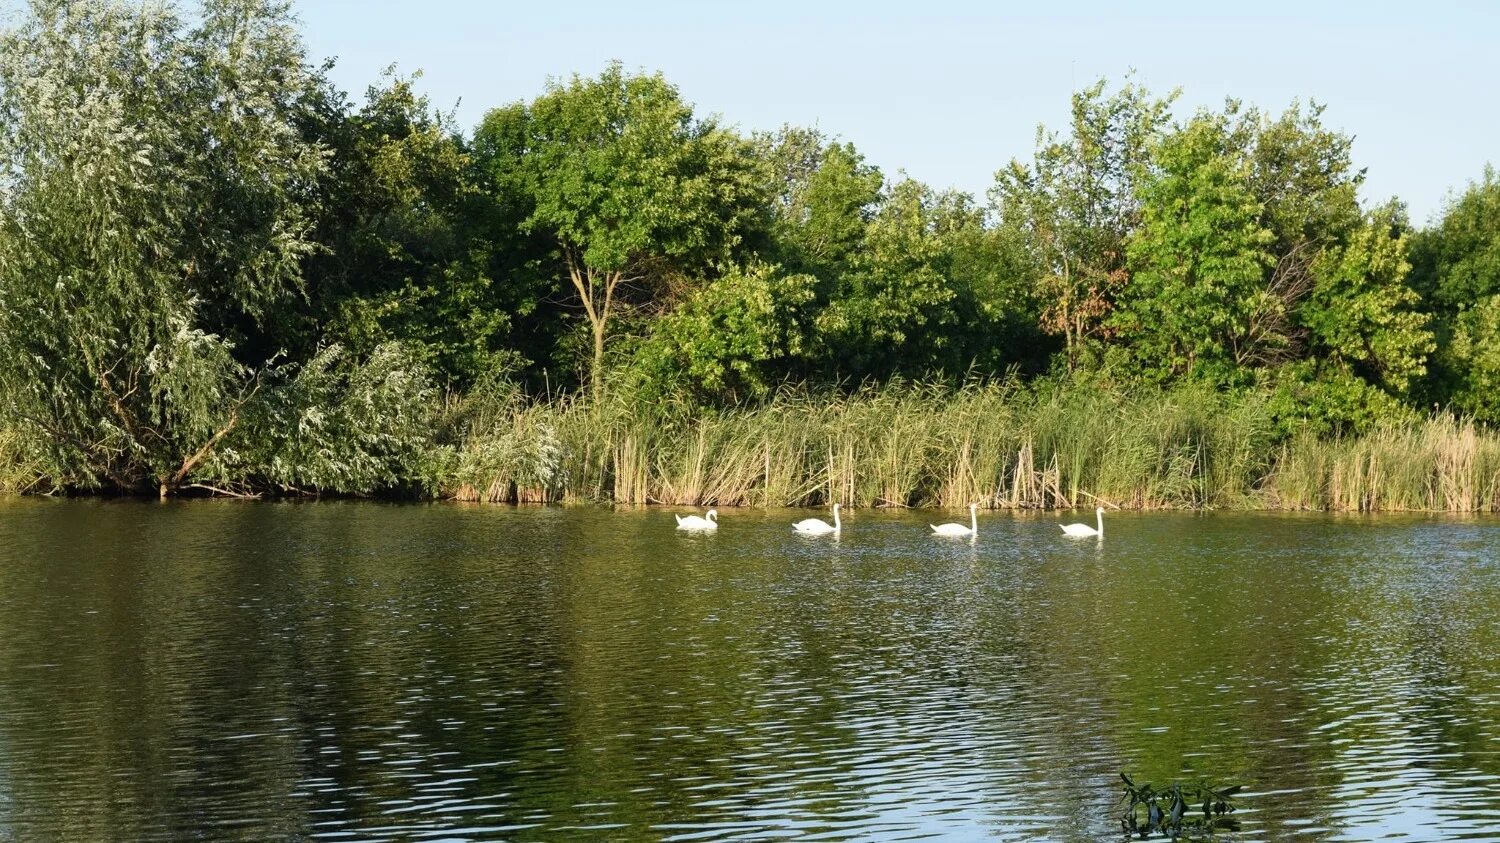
379 672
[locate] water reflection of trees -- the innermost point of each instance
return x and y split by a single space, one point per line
376 669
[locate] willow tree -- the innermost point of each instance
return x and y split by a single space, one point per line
152 176
628 184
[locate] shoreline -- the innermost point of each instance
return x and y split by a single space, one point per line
393 500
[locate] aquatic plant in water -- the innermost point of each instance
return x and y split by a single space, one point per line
1176 810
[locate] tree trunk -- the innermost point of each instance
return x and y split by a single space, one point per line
596 291
596 372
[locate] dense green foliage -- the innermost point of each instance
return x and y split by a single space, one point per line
218 271
1457 271
154 183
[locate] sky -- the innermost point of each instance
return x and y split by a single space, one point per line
949 92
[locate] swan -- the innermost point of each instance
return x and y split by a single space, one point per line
693 522
959 529
1083 531
817 526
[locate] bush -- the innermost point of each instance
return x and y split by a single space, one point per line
340 425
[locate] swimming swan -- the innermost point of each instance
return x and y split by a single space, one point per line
817 526
1083 531
693 522
959 529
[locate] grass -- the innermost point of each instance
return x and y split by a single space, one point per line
1002 445
1442 463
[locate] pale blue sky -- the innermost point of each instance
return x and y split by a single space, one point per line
951 91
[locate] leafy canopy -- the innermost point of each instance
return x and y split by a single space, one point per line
152 176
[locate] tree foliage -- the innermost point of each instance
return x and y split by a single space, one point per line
339 423
1196 304
1457 267
153 175
1077 203
626 182
734 337
405 241
216 269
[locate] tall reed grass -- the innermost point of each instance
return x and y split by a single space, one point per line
1002 445
1442 463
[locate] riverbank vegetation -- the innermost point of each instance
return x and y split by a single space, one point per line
221 275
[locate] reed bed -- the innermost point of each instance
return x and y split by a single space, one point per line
1440 464
1002 445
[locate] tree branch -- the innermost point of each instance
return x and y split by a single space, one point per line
197 456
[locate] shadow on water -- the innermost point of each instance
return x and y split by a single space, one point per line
368 671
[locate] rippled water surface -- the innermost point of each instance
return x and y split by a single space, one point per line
371 672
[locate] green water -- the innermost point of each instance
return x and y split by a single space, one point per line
372 672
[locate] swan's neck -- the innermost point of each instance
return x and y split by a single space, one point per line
1099 519
836 524
713 516
973 520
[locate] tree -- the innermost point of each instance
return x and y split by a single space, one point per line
1456 266
1457 262
730 339
406 242
889 312
339 423
1473 356
995 326
1197 303
1078 202
1361 313
823 197
627 184
152 186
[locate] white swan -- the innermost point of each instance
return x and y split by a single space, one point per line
1083 531
817 526
959 529
693 522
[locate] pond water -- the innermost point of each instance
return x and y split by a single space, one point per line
378 672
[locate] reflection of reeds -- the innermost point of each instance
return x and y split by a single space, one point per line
1439 464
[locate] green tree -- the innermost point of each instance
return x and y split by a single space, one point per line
890 312
823 197
1473 356
1254 262
1456 266
1304 176
1457 262
1077 203
153 178
995 326
628 185
405 241
732 338
1197 303
1361 313
339 423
